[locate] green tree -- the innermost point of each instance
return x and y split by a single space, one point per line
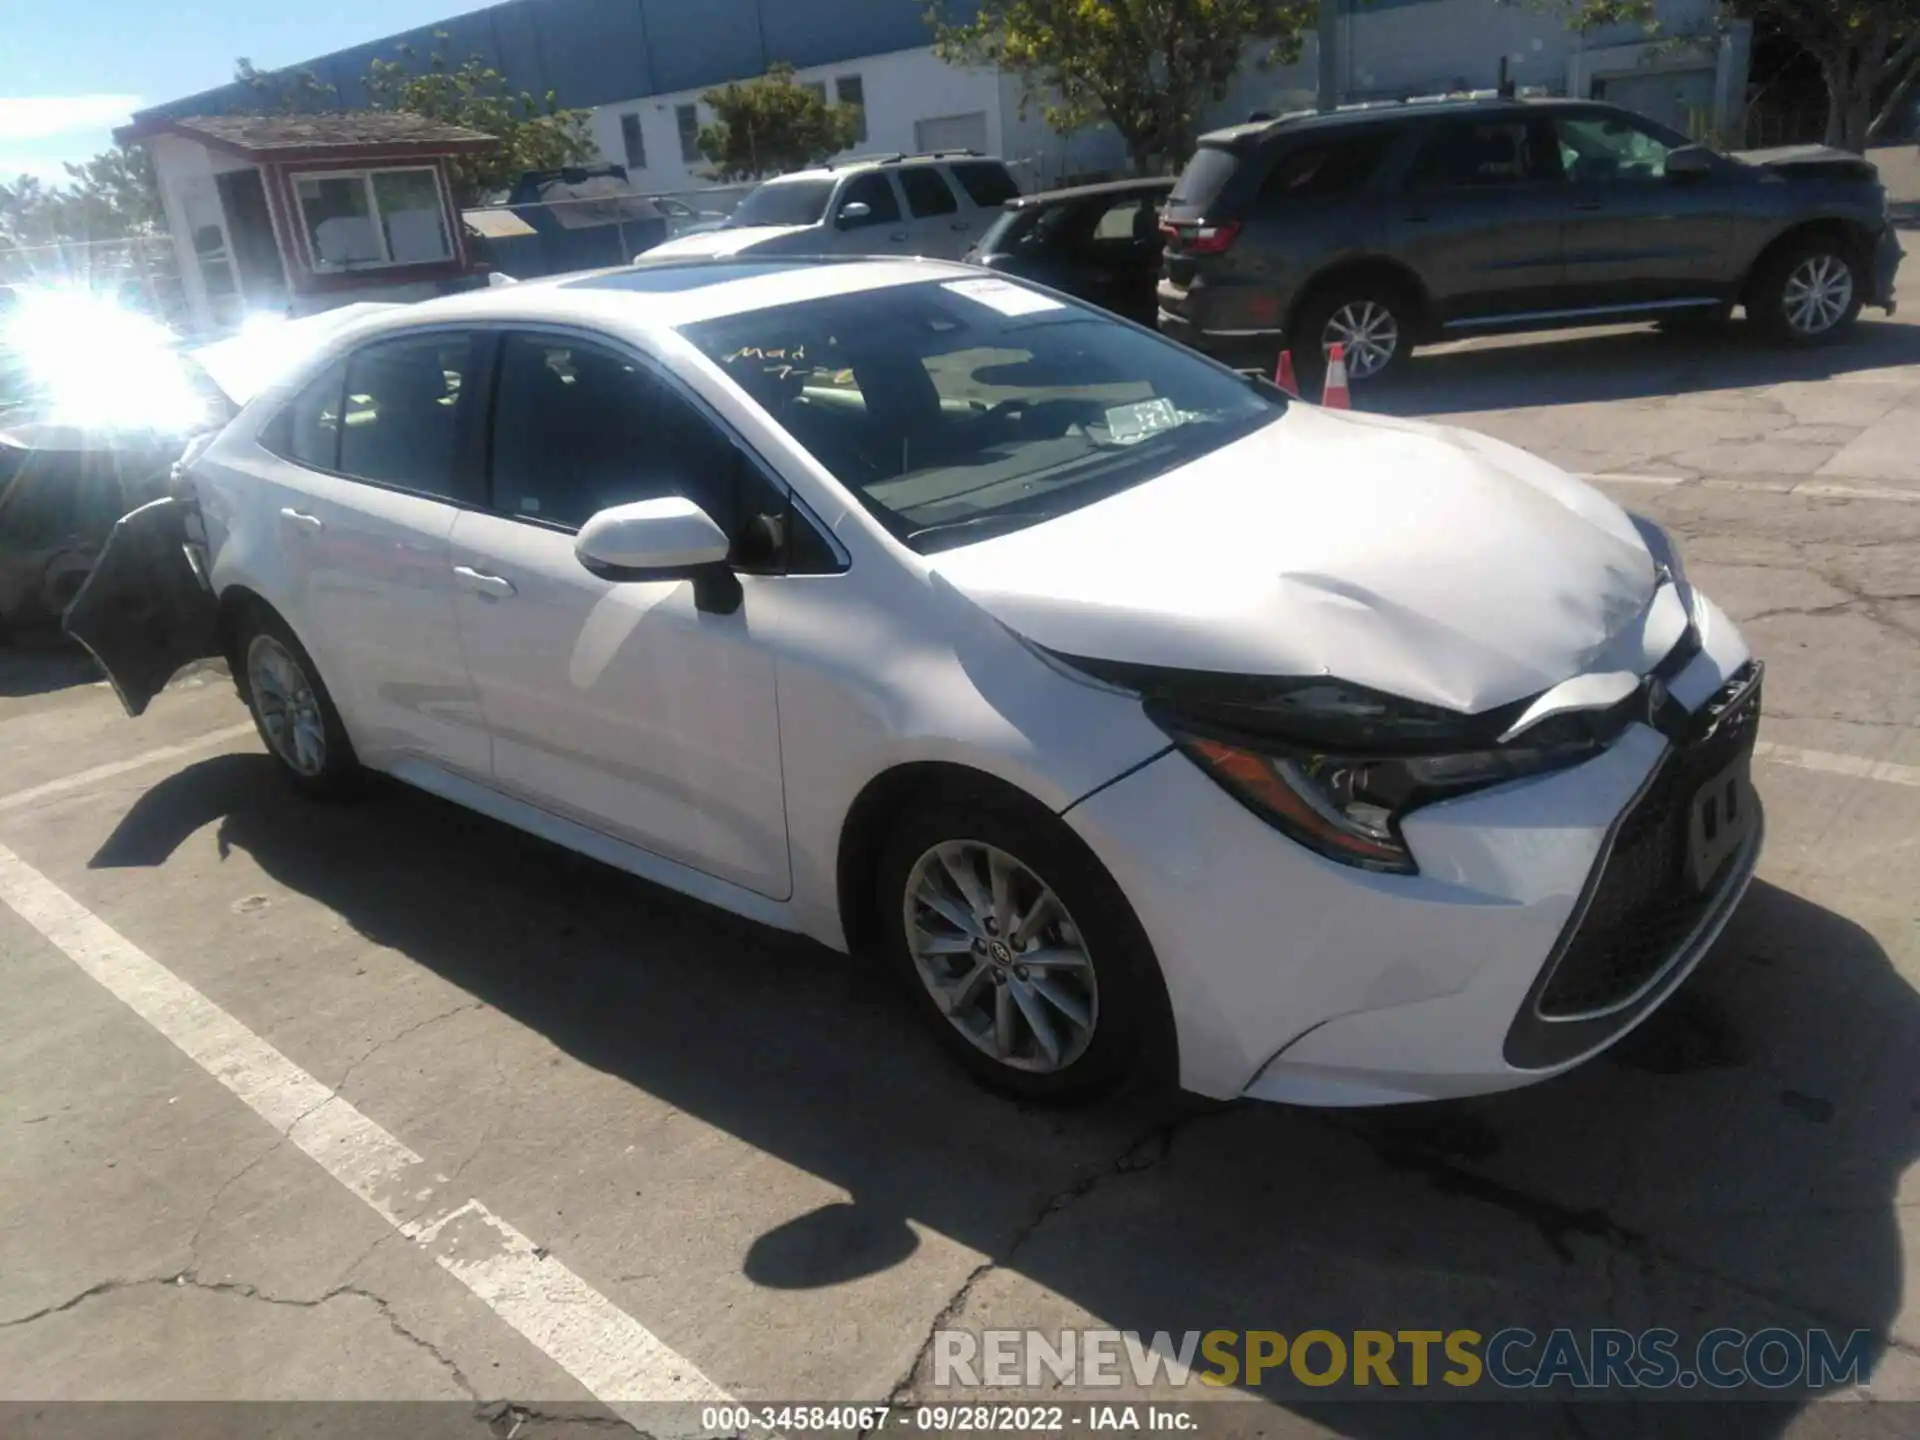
110 197
773 124
117 192
1150 67
286 92
1868 51
535 133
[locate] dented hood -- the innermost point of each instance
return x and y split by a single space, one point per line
725 241
1423 561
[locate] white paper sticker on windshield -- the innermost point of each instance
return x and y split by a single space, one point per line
999 295
1129 424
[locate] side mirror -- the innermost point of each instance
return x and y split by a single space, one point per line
666 539
853 212
1689 162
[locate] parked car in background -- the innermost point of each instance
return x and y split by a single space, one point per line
1382 226
1142 721
936 205
683 219
96 405
1100 242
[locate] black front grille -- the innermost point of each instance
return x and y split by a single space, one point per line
1642 906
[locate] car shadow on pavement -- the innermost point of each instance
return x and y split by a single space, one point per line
1735 1162
1581 367
38 664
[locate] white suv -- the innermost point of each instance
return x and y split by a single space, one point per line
935 205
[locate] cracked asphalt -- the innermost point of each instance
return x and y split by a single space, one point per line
741 1141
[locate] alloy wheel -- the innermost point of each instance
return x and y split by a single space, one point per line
1818 293
289 710
1001 956
1368 334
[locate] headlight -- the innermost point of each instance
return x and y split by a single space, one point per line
1346 801
1349 808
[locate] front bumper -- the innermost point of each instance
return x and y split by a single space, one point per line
1293 978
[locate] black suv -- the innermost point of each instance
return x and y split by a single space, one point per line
1380 226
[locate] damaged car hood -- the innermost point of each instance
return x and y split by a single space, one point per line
1419 560
723 241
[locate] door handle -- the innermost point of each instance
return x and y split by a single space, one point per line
958 225
494 587
300 520
1588 205
1418 218
898 235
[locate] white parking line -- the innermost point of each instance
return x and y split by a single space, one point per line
1857 766
609 1352
36 793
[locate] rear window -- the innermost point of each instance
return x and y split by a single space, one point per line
1206 175
986 182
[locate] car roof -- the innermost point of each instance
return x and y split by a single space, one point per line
651 297
1146 186
1389 112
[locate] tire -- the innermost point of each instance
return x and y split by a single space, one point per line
291 708
1361 314
1099 995
1788 285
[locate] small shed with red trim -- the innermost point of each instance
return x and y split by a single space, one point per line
289 214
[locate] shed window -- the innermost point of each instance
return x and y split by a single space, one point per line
360 218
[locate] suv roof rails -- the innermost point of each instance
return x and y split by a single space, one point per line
894 157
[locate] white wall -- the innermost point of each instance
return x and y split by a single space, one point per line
183 172
900 88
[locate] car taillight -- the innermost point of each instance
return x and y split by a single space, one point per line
1203 237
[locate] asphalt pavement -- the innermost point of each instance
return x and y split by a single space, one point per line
384 1101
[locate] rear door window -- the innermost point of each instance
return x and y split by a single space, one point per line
1479 154
986 182
400 420
1136 217
1335 167
927 193
307 429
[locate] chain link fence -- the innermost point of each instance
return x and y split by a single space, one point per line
141 274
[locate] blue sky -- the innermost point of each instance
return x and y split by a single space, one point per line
77 68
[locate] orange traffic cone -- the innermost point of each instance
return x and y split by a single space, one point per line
1283 375
1335 396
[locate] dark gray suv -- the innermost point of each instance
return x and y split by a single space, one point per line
1382 226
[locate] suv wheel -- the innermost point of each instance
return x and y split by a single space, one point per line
1807 292
1371 320
1019 951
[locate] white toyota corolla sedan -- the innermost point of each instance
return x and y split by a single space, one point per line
1146 722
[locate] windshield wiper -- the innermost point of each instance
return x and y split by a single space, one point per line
1012 519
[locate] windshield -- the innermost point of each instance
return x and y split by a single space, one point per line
962 409
784 202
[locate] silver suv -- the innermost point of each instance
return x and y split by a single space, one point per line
936 204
